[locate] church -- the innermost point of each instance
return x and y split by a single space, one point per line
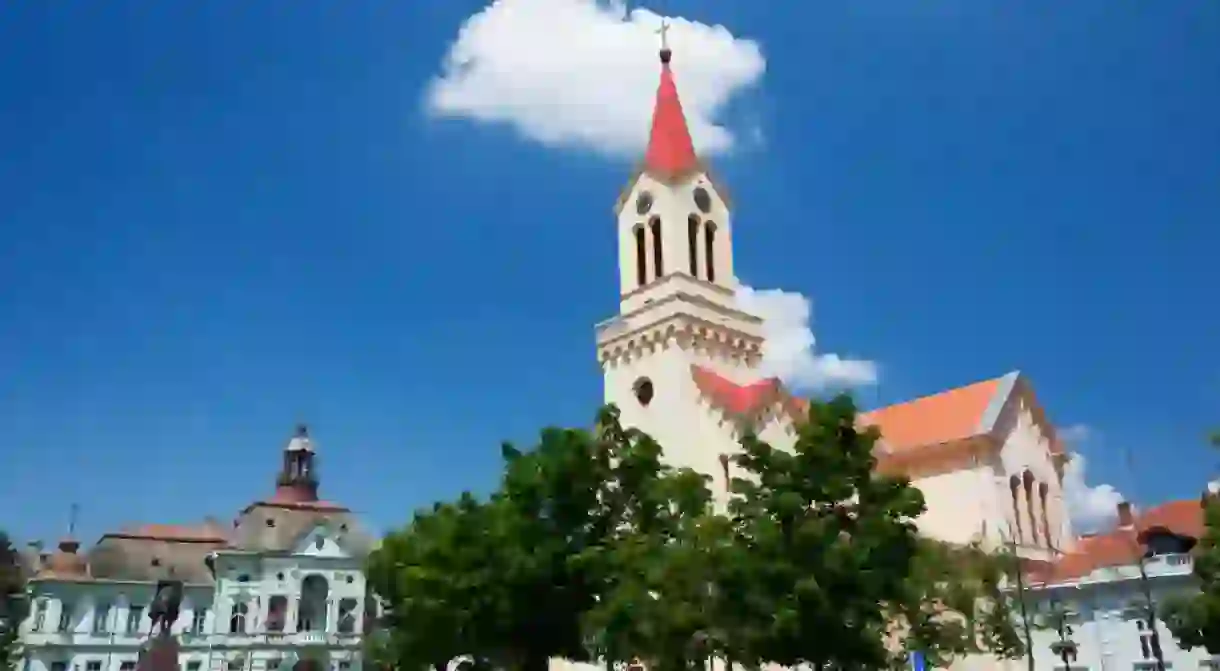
681 360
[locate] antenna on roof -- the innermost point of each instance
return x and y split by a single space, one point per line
73 514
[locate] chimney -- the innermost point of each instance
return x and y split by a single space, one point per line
1126 519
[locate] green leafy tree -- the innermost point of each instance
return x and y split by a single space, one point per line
13 602
434 576
831 543
657 571
592 547
1195 620
498 580
959 602
842 579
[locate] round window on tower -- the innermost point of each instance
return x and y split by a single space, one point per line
643 391
703 200
643 203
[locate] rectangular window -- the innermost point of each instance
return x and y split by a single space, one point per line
345 666
39 615
192 666
199 619
101 618
273 664
127 666
347 616
134 615
277 613
94 665
59 666
235 665
65 615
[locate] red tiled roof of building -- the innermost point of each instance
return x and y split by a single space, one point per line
1122 546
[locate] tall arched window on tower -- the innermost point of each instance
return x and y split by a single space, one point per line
709 250
692 240
641 256
1028 481
1043 494
658 253
1014 487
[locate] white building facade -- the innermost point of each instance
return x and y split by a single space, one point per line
280 588
1106 600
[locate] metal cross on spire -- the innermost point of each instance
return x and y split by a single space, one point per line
663 31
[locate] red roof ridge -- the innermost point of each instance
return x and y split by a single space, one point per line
745 401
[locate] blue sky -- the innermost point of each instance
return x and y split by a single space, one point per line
218 221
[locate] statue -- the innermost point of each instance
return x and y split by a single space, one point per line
161 652
164 608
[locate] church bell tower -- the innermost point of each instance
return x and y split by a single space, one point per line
678 328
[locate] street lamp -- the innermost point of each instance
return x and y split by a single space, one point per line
1065 647
1154 639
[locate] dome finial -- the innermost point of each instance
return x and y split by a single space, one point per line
663 31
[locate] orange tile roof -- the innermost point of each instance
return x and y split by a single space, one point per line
951 415
1121 546
1181 517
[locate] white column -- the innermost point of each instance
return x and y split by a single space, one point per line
294 604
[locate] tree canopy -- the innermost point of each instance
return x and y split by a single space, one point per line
594 547
1194 620
13 602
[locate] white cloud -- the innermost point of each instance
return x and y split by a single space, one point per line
790 353
1075 434
584 73
1092 508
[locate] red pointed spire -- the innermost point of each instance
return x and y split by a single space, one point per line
670 149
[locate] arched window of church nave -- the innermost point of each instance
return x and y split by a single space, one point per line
1043 494
1014 488
1028 481
641 257
658 249
709 250
692 241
